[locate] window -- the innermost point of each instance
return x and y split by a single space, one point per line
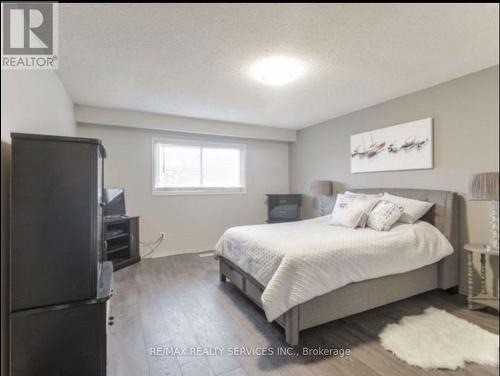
183 166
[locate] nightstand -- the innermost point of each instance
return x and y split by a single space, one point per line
483 298
283 207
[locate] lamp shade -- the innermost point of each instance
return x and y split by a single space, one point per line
484 186
321 188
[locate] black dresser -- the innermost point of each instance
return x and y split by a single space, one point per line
59 285
283 207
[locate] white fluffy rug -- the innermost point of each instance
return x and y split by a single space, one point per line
437 339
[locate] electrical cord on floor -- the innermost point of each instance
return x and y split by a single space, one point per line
153 246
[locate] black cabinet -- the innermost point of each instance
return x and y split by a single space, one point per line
121 245
59 284
56 220
68 339
283 207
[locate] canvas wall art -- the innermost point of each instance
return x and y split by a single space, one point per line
407 146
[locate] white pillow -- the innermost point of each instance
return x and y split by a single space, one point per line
413 210
384 215
371 195
352 211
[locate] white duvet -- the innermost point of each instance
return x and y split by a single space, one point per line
301 260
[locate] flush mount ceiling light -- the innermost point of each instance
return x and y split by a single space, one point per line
277 70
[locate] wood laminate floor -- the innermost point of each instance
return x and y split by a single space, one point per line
174 303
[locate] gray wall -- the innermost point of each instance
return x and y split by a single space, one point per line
33 101
466 124
192 222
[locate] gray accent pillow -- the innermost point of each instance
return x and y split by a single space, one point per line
384 215
413 210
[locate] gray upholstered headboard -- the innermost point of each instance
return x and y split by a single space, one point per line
443 215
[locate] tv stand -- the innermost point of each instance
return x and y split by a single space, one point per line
121 241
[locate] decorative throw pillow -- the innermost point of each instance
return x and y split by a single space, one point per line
384 215
354 216
352 211
413 210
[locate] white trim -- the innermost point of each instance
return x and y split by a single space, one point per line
215 191
165 252
113 117
199 190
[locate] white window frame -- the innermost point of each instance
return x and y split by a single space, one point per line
199 190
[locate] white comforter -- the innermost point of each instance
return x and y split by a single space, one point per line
301 260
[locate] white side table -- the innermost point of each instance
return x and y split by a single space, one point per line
483 298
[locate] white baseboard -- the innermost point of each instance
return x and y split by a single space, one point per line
165 253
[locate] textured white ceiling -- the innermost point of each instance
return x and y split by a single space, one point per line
191 59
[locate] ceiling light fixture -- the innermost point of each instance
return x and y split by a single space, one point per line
277 70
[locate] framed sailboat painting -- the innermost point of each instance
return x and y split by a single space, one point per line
407 146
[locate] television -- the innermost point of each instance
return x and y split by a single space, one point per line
114 202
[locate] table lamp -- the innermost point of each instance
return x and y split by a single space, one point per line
320 188
484 187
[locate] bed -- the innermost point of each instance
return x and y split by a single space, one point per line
299 292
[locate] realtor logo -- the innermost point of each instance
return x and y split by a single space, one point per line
30 34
